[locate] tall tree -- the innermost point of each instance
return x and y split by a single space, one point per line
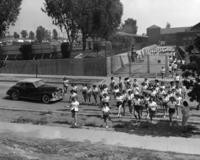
130 26
95 18
55 34
47 35
40 33
24 33
61 12
9 11
31 35
16 35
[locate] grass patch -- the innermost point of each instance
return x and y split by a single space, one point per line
63 150
41 121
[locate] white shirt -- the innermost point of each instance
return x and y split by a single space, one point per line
75 88
119 98
106 99
177 78
179 99
95 90
170 68
84 88
74 95
74 106
130 96
116 91
153 105
105 109
66 83
166 99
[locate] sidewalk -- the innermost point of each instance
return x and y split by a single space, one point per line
59 78
166 144
49 78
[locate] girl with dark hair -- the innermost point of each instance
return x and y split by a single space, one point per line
106 113
172 109
95 92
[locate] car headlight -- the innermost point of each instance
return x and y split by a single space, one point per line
53 94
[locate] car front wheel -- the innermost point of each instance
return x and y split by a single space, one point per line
45 99
14 95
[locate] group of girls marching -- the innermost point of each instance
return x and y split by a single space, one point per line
146 97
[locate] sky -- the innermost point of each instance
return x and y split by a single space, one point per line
179 13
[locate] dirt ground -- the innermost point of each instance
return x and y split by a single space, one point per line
16 147
159 128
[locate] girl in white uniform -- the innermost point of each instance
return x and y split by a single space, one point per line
65 84
74 110
106 113
119 100
89 94
152 108
95 92
84 92
130 97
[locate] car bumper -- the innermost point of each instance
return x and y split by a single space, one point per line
56 99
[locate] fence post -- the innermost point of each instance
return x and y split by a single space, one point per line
130 66
36 68
148 63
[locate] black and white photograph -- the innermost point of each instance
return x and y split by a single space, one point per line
99 79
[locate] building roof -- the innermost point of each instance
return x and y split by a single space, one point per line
153 26
196 27
175 30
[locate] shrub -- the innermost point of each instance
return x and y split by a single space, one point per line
26 50
66 50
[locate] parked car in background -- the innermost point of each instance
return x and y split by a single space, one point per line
35 89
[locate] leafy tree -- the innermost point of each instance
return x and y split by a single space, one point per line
197 42
55 34
24 33
65 50
9 11
47 35
191 73
168 25
61 12
31 35
40 33
16 35
130 26
95 18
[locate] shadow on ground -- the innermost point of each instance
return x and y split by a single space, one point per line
161 128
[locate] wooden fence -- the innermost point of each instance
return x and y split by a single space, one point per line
74 67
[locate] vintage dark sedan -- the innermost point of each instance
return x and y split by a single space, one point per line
35 89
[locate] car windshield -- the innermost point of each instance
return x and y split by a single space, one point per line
39 83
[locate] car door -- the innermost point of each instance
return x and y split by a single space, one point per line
29 91
22 90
